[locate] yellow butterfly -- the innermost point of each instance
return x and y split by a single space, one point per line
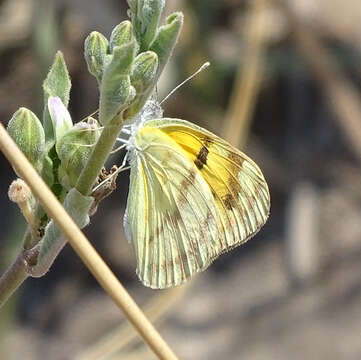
192 197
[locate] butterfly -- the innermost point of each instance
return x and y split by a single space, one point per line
192 196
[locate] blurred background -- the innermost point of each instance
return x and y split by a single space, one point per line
284 86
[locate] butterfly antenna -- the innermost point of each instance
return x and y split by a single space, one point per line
204 66
121 168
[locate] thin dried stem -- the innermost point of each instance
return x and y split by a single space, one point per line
249 77
82 247
342 95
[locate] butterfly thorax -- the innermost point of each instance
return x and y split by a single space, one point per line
151 110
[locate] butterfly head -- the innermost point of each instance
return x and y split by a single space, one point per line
151 110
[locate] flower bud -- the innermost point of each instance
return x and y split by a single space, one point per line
143 78
19 191
144 71
95 50
145 16
121 34
74 149
28 133
60 117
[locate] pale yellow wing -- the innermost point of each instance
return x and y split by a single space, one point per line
171 216
237 184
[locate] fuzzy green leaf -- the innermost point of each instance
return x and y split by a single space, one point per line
166 39
28 133
116 91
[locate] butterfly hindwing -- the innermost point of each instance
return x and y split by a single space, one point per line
171 215
192 196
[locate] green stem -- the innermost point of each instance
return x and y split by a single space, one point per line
12 278
99 155
28 241
16 274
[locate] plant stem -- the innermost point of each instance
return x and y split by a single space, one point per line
99 155
12 278
16 274
249 78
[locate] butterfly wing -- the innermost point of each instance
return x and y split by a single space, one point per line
238 187
171 216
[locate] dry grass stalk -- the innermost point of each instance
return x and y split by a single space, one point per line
249 77
343 96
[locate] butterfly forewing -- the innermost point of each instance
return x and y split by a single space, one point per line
238 187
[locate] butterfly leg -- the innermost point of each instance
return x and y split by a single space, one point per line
121 168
